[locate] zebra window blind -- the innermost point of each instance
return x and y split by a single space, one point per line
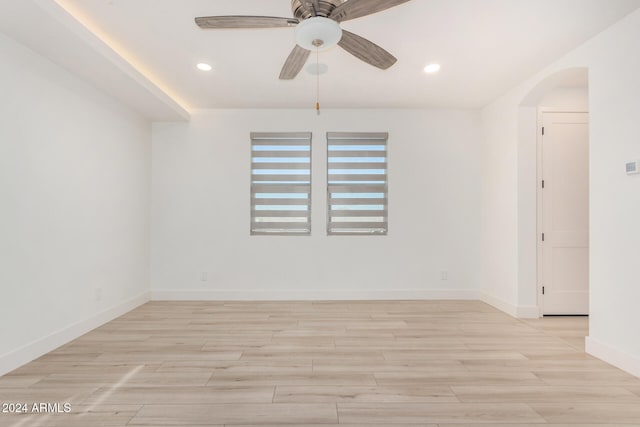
357 183
281 183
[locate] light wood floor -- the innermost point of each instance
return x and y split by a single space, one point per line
413 363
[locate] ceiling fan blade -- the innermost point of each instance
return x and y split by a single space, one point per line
227 22
357 8
294 63
366 51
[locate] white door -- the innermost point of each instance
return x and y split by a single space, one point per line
565 213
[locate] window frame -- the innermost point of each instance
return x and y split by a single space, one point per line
281 189
371 195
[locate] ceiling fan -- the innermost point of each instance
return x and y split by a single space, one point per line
317 25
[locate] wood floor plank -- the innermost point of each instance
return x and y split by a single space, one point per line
593 378
545 354
31 395
237 366
312 379
437 354
405 345
381 413
525 348
363 394
544 365
303 355
145 379
180 395
337 425
622 413
348 366
354 325
80 416
71 357
15 381
457 378
48 368
537 425
543 394
147 357
276 413
306 332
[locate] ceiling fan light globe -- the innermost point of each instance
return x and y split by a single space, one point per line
317 29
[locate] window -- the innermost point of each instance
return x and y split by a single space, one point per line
357 183
280 183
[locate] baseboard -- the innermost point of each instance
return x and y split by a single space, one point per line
214 295
613 356
39 347
517 311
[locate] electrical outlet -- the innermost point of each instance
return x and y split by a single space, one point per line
204 276
98 294
444 275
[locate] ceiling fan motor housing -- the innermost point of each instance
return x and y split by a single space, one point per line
303 9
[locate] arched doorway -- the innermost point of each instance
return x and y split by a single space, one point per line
553 215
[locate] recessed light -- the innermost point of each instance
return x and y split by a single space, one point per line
432 68
204 67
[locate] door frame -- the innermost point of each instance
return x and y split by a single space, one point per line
540 113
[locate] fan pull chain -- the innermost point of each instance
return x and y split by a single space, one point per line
318 79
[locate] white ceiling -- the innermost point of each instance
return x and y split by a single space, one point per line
485 47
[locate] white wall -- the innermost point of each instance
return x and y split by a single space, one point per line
614 105
200 210
74 206
615 196
566 99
